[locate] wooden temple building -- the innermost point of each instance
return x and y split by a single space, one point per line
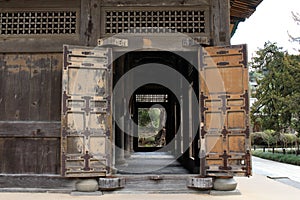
67 113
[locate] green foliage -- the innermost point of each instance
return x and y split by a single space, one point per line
144 117
278 91
289 139
290 159
266 138
149 117
154 114
270 138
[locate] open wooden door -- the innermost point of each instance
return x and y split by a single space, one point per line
224 104
86 134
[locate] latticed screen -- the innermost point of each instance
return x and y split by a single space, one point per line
151 98
167 21
38 22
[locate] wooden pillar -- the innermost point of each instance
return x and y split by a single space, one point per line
90 22
120 143
220 22
128 144
127 131
120 111
185 122
174 107
127 139
181 149
119 139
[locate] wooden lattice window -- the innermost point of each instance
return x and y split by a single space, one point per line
148 98
190 21
38 23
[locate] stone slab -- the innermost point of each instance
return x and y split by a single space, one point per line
76 193
224 193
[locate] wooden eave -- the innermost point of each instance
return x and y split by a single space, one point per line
240 10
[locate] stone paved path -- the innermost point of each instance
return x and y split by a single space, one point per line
285 173
275 169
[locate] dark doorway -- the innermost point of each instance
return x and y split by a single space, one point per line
156 116
153 106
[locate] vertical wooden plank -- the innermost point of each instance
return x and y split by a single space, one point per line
2 163
35 90
220 23
40 86
26 87
29 155
8 94
56 80
48 159
5 146
43 62
13 152
23 85
12 91
90 22
2 86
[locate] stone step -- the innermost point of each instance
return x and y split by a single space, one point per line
156 184
151 163
131 184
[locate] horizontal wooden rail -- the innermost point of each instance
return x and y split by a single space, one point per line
31 129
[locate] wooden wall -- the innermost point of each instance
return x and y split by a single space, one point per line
30 80
30 95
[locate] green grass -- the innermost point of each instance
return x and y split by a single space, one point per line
287 158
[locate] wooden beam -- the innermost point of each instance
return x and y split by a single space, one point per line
36 44
30 129
36 181
154 2
29 4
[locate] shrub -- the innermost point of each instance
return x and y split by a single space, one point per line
265 138
288 158
270 138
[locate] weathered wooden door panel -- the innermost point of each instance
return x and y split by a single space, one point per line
224 106
86 112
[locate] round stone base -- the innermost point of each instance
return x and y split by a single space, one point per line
87 185
225 184
111 183
200 183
